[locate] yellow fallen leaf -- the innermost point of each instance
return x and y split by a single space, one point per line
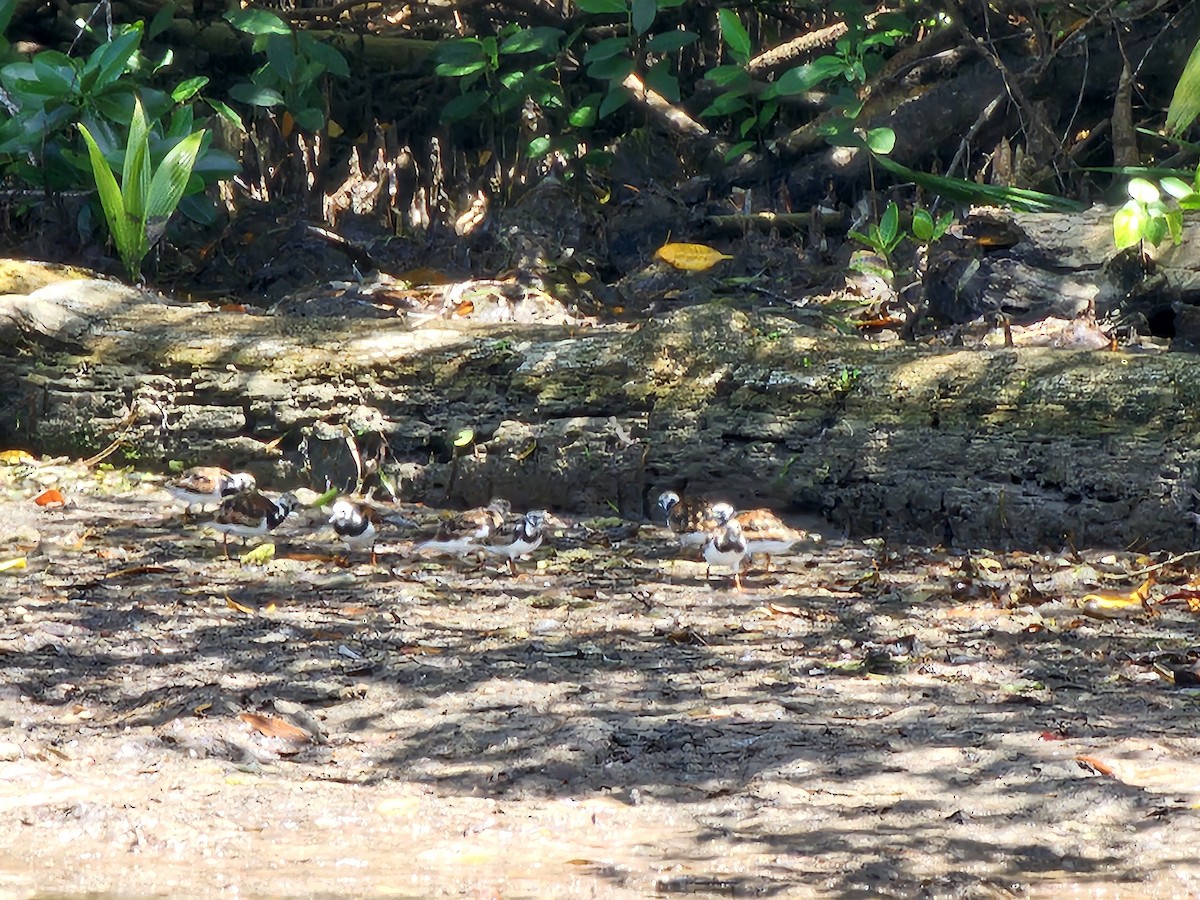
15 458
1114 604
17 563
260 555
240 607
690 257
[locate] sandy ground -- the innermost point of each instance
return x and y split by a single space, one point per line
862 720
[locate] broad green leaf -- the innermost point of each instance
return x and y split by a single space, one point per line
615 69
729 76
601 7
227 113
1127 225
642 15
188 88
881 140
1154 229
1176 187
738 150
328 56
538 147
585 114
530 40
449 70
464 106
734 33
1185 101
726 104
1142 190
310 118
671 41
1174 220
922 226
256 21
162 20
889 224
804 78
660 80
614 100
459 52
254 95
281 55
606 49
112 59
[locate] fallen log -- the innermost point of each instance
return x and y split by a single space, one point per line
1024 447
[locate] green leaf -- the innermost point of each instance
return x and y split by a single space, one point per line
281 55
660 80
227 113
1154 229
729 76
530 40
161 22
738 150
1127 224
1174 220
585 114
1190 202
881 140
256 21
803 79
601 7
671 41
539 147
614 100
188 88
112 59
725 104
135 175
464 106
329 57
172 176
964 191
1142 190
616 69
254 95
1176 187
922 226
889 224
734 33
129 236
310 118
606 49
452 71
642 15
1185 101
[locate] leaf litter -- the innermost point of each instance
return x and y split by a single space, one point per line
862 719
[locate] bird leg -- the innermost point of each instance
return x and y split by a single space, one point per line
512 567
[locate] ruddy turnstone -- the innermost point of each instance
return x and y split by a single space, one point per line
467 531
726 544
689 521
763 530
249 514
356 524
523 537
202 485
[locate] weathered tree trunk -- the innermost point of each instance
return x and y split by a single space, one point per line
1023 447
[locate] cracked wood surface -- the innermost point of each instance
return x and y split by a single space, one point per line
1019 447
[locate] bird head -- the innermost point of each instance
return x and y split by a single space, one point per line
343 512
721 513
667 501
239 482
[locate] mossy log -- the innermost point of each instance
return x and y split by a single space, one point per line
1031 447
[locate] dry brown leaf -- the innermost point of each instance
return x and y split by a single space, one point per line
271 727
240 607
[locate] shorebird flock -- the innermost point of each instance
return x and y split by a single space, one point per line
724 536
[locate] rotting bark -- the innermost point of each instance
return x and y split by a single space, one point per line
1019 447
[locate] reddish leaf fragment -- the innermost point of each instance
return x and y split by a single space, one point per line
52 497
271 727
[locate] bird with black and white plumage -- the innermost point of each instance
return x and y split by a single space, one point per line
466 532
764 531
356 524
251 514
518 539
359 523
726 544
204 485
